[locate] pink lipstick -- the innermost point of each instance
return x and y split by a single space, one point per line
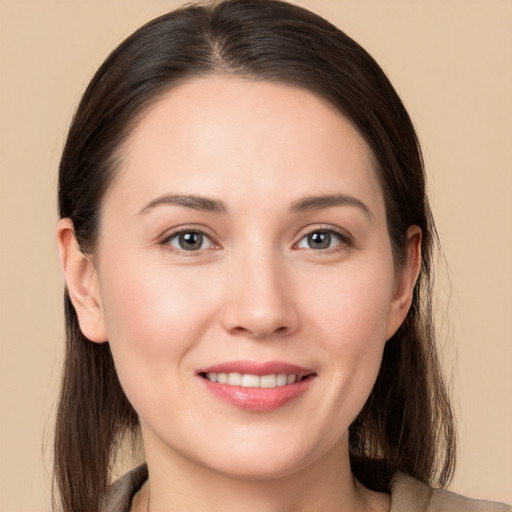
255 386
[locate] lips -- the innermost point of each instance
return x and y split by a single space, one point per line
254 386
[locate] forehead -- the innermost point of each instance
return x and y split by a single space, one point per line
224 136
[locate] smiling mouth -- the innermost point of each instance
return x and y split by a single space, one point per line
256 386
247 380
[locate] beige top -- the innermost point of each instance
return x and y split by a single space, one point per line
407 495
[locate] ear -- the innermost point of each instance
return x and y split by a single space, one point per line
82 283
407 275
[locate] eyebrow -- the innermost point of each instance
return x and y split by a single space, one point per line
305 204
189 201
312 203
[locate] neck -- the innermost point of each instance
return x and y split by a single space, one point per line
179 484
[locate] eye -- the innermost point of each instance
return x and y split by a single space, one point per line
322 239
189 240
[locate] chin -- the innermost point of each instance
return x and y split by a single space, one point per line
267 467
263 455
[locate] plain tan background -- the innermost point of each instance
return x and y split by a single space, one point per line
449 60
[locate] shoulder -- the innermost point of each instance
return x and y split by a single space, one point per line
408 494
119 495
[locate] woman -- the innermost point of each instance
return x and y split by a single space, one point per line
247 248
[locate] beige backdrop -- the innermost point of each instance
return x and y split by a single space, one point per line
450 61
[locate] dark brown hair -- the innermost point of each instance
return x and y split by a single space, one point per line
406 424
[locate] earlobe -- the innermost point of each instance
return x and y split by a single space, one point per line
82 283
406 278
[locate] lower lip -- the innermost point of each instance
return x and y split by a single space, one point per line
258 399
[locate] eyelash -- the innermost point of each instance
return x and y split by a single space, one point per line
188 231
344 240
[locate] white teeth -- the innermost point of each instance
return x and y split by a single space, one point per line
250 381
291 379
281 379
268 381
235 379
253 381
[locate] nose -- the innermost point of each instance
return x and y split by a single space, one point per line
260 300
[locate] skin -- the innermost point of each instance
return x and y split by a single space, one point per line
256 290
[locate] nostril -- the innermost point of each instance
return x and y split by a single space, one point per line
260 331
259 317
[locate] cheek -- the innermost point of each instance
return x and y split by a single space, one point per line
153 318
149 302
353 304
350 320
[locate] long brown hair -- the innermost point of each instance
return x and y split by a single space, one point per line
407 423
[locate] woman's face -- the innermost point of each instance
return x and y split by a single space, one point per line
245 241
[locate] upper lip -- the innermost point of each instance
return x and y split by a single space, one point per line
256 368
